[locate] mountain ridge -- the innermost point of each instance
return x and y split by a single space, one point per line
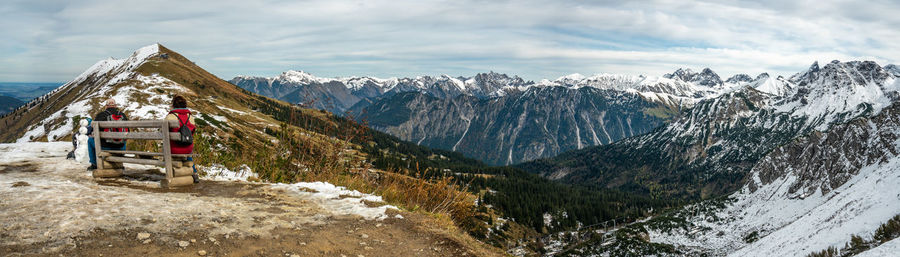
725 136
365 97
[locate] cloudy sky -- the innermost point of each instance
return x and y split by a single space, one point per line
57 40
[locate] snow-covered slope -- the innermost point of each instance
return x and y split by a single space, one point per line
808 195
890 248
142 85
840 90
110 78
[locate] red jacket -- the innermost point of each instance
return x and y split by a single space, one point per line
183 117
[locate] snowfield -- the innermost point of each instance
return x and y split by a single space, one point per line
48 199
891 248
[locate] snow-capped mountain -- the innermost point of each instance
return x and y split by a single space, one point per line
706 78
143 85
803 171
681 88
893 69
101 81
520 126
717 141
811 194
340 94
738 78
588 110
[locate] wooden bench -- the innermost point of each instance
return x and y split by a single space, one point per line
110 163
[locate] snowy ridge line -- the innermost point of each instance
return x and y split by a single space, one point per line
685 88
106 74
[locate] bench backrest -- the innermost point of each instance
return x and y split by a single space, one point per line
163 134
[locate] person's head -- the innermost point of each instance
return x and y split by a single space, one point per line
179 102
111 103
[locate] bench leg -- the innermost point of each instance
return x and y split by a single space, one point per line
110 170
183 171
176 182
113 165
107 173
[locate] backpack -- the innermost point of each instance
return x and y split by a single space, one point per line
115 117
186 136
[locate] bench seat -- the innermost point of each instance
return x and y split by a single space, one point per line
140 153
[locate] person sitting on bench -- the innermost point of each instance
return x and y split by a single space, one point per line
182 114
111 113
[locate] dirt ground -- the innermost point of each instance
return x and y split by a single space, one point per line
341 236
59 210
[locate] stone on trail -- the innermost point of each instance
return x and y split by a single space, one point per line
143 235
183 244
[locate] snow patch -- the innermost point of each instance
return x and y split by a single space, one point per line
22 151
339 200
218 172
891 248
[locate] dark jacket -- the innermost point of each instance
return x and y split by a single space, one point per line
107 115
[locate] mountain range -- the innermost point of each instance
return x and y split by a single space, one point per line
503 119
787 153
832 187
709 148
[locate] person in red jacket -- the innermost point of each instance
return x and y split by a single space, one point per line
181 114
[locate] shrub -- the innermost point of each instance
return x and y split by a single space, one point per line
856 245
828 252
888 231
752 237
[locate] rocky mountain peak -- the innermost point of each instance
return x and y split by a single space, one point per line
844 73
737 78
814 67
684 74
300 76
497 79
706 77
893 69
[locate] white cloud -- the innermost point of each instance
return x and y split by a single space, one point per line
56 40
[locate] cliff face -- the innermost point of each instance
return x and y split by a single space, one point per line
521 126
823 161
497 118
